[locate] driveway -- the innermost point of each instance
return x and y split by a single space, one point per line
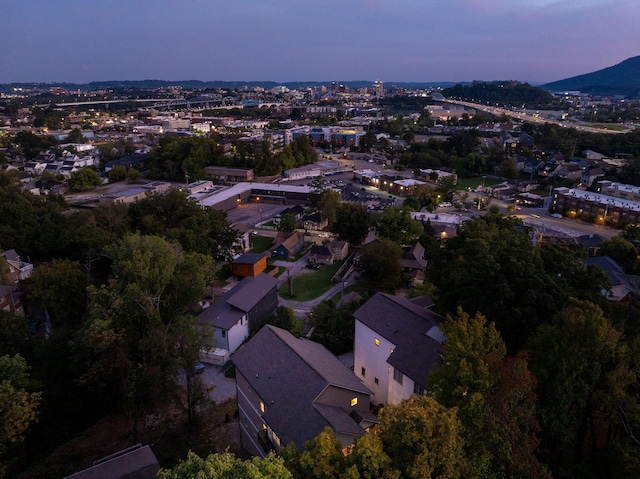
223 388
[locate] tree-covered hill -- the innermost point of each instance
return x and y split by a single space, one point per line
509 93
620 79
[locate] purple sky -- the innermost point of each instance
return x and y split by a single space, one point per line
302 40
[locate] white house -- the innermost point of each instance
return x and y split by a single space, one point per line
251 301
397 342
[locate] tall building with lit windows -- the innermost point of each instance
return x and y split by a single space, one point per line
378 89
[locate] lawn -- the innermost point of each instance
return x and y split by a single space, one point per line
310 285
261 243
464 183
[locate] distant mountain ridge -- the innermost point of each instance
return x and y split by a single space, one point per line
198 84
621 79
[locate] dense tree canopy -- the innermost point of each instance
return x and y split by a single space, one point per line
380 262
397 225
127 346
18 405
495 398
226 465
352 222
492 267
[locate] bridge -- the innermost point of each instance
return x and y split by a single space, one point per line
166 103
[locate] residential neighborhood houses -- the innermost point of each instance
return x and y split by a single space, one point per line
260 200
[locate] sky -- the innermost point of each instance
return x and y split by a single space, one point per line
536 41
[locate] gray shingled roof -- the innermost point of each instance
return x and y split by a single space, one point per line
406 325
288 374
248 293
231 306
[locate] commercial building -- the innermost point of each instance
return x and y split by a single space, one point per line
595 207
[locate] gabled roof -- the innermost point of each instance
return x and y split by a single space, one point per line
6 290
231 306
607 264
413 257
321 250
288 242
248 293
289 374
410 328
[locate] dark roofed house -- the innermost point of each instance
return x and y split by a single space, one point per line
397 343
621 284
290 390
413 262
251 301
321 254
413 257
11 299
135 462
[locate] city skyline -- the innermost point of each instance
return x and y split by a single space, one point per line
537 41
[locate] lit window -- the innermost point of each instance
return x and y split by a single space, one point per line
397 376
377 341
261 406
354 401
363 371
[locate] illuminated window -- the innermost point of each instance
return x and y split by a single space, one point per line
377 341
261 406
354 401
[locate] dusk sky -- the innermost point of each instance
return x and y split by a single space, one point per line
301 40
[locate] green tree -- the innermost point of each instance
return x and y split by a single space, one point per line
180 218
287 223
623 252
75 136
190 339
380 261
128 343
576 359
18 406
328 203
14 334
446 187
286 318
494 396
60 287
84 179
491 266
352 223
397 225
226 465
333 326
370 459
422 439
323 458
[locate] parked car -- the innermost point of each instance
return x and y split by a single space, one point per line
199 367
313 266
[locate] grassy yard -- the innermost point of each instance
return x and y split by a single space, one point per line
310 285
260 243
464 183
